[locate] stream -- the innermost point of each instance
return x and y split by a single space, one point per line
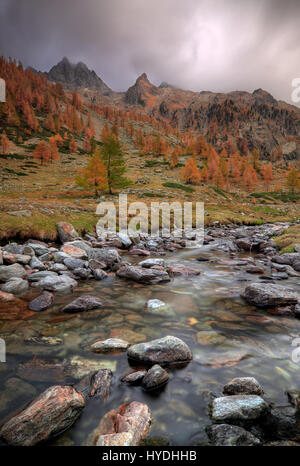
228 338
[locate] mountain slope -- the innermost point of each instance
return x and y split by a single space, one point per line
253 120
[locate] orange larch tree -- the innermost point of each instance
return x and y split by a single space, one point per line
190 172
42 152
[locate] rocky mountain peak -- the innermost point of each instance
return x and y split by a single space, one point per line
139 93
77 76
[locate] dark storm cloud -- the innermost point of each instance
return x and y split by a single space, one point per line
217 45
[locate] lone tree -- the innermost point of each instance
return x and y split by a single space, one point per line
94 175
42 152
190 172
112 155
292 179
4 144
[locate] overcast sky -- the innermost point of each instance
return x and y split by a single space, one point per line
217 45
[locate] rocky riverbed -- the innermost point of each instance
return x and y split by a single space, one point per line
150 333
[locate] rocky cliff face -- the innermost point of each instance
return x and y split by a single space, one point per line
77 76
142 92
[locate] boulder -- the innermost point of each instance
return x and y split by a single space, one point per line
16 286
99 274
35 263
178 270
10 259
13 248
54 411
80 244
66 232
108 256
269 294
11 271
125 240
294 397
288 258
143 275
139 252
74 252
243 386
42 302
283 423
164 350
60 256
125 426
111 345
148 263
83 303
37 276
82 273
134 378
100 383
61 283
39 248
158 307
73 263
237 409
224 435
155 378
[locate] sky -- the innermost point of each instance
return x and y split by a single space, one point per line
216 45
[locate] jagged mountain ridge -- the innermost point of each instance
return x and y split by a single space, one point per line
76 76
257 117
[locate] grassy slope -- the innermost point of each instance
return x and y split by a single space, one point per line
50 193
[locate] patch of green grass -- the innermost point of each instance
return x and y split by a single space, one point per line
219 191
286 242
153 195
13 172
43 227
13 156
187 189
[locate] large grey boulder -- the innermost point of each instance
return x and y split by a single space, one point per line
155 378
13 248
61 283
54 411
243 386
143 275
224 435
16 286
108 256
238 408
11 271
39 249
269 294
164 350
66 232
147 263
37 276
35 263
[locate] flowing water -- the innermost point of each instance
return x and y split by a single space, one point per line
228 338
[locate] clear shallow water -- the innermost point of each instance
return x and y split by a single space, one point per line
241 342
